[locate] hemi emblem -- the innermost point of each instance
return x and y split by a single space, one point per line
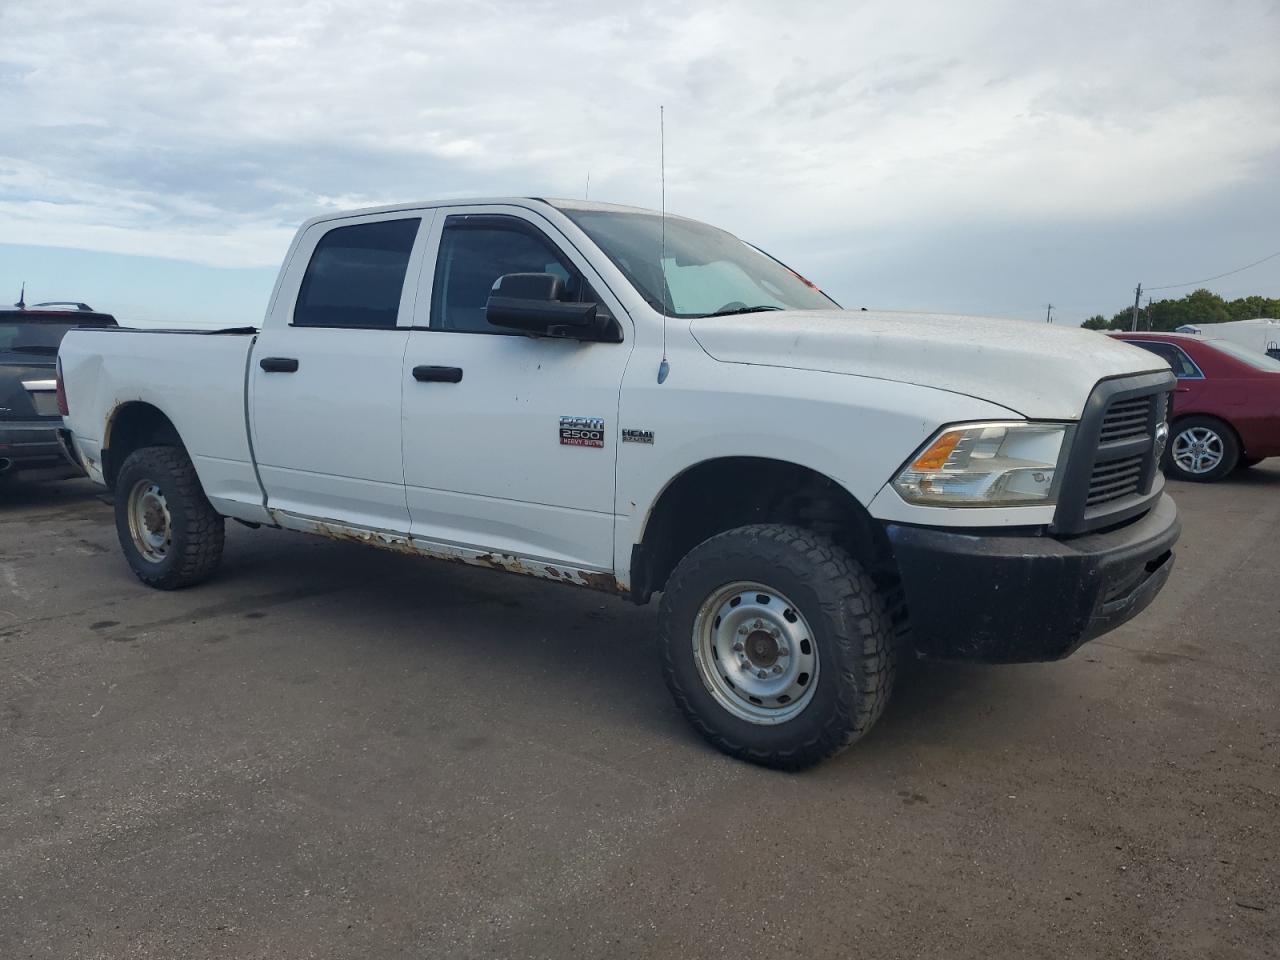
582 431
637 436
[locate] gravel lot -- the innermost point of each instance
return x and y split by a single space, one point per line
331 751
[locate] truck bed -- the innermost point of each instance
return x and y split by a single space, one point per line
197 377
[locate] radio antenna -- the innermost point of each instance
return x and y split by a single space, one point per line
586 194
663 368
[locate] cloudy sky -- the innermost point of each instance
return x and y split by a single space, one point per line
969 157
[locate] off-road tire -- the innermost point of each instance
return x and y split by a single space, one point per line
853 633
197 530
1230 450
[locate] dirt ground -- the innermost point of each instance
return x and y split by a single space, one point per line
331 751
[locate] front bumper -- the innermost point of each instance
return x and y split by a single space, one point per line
32 445
1003 598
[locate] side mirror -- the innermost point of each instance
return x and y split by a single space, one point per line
531 302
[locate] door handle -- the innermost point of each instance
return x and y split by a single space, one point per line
437 374
278 364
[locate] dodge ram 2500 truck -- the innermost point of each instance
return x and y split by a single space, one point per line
601 396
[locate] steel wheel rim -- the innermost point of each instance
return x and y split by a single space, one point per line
755 653
1198 450
150 525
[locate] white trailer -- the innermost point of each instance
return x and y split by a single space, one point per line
1261 333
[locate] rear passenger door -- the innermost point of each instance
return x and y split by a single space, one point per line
325 372
516 455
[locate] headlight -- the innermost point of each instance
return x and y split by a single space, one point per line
986 465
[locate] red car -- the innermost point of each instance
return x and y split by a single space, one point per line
1226 408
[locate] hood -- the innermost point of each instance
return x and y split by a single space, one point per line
1038 370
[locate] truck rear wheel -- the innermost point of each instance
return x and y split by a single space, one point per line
776 645
169 532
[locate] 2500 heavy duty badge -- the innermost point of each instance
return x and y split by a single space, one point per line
582 431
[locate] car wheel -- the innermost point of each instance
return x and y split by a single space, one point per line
1203 449
169 532
776 645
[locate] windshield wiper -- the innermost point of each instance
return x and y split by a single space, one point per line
734 310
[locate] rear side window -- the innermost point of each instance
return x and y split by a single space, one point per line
1182 366
356 276
474 253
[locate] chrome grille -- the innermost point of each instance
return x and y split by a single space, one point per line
1114 479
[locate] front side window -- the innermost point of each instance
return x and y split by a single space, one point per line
356 276
1183 367
704 271
474 253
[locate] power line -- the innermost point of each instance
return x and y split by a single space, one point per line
1192 283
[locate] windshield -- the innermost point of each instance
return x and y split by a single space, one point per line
707 271
1259 361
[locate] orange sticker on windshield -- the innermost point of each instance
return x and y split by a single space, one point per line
805 280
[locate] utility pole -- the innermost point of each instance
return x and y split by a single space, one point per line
1137 295
1149 326
1048 314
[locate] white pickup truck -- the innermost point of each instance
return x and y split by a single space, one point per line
601 396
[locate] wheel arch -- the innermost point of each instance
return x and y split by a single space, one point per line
132 425
718 494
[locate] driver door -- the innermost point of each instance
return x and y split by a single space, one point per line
509 440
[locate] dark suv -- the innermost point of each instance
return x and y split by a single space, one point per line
29 417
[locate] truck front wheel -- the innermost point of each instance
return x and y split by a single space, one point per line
776 645
169 532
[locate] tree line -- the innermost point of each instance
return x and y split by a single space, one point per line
1198 308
